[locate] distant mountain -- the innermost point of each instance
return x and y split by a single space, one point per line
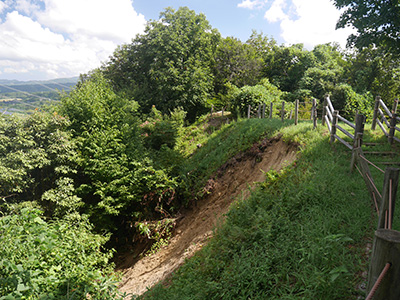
34 86
23 97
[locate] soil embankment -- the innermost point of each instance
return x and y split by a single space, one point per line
195 226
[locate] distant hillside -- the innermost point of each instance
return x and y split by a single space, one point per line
7 86
23 97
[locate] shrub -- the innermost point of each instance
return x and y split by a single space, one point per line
346 99
265 92
56 260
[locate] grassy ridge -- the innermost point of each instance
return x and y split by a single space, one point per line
300 235
219 146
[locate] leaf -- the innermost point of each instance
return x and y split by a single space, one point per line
335 273
22 287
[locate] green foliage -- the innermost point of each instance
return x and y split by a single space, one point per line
377 23
285 66
264 92
37 156
236 63
170 65
159 232
159 130
56 260
374 71
324 74
292 239
118 180
344 97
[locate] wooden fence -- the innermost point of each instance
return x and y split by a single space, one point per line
331 118
261 110
384 269
383 116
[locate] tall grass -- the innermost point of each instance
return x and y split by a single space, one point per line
300 235
219 146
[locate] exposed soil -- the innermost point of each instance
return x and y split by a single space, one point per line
195 226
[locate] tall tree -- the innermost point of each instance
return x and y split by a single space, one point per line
236 63
285 66
170 65
377 22
374 70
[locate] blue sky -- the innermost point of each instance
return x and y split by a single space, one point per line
47 39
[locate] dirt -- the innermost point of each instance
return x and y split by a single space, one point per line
195 226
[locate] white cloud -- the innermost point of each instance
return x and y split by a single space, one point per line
252 4
276 13
67 37
106 19
310 22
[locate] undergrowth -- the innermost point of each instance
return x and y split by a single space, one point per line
300 235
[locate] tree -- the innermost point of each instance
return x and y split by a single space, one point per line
38 158
236 63
261 43
326 71
117 179
377 22
170 65
285 66
374 70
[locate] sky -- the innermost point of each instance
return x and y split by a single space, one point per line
48 39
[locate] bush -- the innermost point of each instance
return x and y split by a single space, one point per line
346 99
56 260
159 130
265 92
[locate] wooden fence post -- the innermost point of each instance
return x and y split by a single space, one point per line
296 112
385 252
283 111
212 110
259 111
360 121
271 107
263 111
356 145
392 129
386 207
312 111
375 115
324 110
334 123
394 107
248 112
315 114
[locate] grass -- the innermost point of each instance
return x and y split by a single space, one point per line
301 234
219 146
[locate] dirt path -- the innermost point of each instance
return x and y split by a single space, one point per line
195 228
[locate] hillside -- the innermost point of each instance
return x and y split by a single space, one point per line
24 96
304 232
194 226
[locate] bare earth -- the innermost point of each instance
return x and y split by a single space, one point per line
197 224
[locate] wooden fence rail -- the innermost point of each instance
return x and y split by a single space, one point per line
260 110
383 116
384 269
331 118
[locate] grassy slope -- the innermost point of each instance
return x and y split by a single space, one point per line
301 234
